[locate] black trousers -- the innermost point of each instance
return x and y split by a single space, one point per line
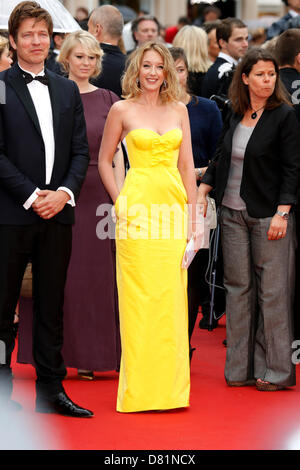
47 244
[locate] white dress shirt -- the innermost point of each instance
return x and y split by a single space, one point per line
227 57
42 103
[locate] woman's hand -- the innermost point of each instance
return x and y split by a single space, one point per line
202 203
278 227
203 191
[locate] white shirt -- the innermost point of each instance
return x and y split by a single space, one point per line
127 37
293 13
227 57
42 103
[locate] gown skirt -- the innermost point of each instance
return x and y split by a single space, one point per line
151 236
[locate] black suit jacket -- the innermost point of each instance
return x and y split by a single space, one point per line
271 164
22 151
291 80
212 84
113 66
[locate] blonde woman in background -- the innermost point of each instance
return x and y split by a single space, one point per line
5 58
91 315
194 42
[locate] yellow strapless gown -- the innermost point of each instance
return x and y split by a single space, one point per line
152 286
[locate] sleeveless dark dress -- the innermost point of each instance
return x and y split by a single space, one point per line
91 325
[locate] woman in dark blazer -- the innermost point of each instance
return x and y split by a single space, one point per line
255 173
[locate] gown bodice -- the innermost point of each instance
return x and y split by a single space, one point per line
147 149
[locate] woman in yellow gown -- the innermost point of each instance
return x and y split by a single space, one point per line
151 231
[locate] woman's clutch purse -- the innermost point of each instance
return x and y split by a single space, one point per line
189 254
203 227
211 215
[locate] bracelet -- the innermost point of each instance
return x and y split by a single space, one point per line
199 172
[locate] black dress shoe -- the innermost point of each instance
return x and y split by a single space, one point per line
61 404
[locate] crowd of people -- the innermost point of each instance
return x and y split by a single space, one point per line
116 125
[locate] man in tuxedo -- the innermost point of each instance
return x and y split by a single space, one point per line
232 37
287 21
43 161
106 24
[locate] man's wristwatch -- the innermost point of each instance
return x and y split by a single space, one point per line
284 215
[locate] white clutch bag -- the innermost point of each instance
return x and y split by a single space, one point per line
203 228
189 254
211 215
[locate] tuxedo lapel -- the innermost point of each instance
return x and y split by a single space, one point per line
18 83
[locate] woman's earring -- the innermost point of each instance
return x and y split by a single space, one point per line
138 82
165 83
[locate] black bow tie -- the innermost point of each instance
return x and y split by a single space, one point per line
29 78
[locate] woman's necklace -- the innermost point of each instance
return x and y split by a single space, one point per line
254 114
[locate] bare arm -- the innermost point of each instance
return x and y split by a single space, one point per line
110 140
187 169
119 168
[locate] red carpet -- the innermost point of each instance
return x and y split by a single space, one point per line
219 417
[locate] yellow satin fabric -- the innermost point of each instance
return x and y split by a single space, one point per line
152 287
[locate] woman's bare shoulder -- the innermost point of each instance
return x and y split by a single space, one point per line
178 107
119 106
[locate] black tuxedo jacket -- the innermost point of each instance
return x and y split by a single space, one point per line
22 151
113 66
212 84
290 77
271 164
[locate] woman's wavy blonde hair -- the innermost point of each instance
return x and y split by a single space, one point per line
170 90
3 44
194 42
88 41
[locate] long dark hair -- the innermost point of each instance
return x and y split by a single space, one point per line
238 91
